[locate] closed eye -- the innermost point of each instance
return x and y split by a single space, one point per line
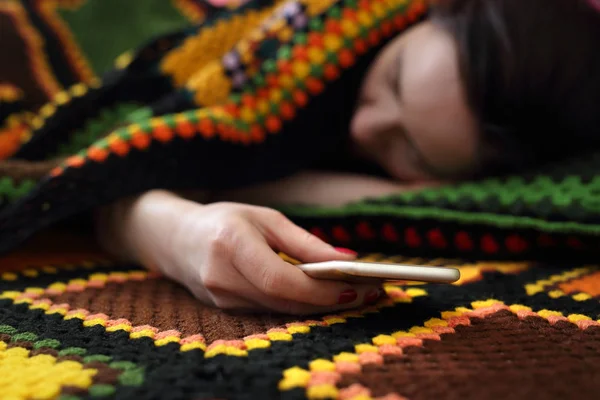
396 76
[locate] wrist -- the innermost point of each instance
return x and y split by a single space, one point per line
109 223
121 227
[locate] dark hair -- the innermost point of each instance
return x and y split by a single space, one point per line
531 70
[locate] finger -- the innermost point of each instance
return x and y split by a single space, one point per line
245 297
224 300
249 298
227 301
238 297
263 303
272 276
285 236
367 295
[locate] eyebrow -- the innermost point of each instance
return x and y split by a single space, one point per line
422 160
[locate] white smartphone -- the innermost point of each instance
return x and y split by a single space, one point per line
368 272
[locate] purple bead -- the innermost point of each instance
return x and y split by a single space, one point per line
231 60
291 9
239 78
300 21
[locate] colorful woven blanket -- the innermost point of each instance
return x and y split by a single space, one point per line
268 84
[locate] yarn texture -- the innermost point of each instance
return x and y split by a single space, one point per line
106 99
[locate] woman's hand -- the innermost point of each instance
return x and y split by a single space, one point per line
224 254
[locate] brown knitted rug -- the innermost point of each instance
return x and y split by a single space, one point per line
263 86
75 325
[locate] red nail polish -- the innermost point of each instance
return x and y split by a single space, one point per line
348 296
346 251
372 296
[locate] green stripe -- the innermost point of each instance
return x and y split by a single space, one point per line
11 191
96 128
419 213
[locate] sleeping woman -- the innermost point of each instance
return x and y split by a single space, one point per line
480 87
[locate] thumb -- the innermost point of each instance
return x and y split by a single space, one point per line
287 237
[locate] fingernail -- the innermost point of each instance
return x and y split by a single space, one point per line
372 296
346 251
348 296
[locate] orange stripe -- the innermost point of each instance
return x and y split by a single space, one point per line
47 9
189 10
52 248
35 47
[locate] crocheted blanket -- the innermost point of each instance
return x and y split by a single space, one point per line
262 82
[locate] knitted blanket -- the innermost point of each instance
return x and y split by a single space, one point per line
268 84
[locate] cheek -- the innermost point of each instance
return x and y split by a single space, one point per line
376 88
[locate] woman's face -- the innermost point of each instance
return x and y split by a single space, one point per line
412 116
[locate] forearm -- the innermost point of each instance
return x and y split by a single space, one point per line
316 188
120 227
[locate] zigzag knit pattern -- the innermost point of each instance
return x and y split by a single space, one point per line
75 325
268 82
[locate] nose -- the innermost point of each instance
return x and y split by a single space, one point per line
384 116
